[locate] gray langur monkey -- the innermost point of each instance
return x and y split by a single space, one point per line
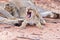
32 18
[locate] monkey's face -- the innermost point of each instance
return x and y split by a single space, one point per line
29 13
8 7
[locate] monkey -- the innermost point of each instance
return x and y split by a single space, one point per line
10 22
12 9
32 18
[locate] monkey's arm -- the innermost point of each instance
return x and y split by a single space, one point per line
6 13
9 21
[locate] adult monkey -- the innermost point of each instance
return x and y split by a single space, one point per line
12 9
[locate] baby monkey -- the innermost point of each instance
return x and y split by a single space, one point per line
31 18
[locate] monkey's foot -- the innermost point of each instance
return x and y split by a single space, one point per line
23 27
44 22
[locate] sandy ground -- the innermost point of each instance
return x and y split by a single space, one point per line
51 31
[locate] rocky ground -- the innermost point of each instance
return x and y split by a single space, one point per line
51 31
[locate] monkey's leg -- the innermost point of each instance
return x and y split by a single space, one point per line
6 14
13 22
2 19
23 24
42 21
8 21
38 24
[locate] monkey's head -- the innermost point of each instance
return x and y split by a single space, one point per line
30 12
9 6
